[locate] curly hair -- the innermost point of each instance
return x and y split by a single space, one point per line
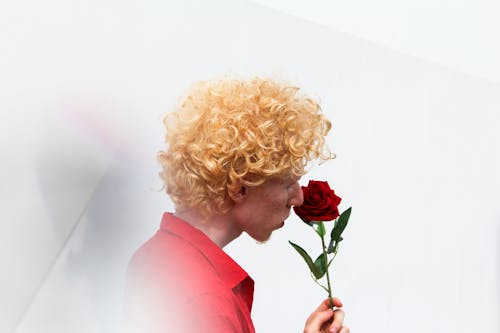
229 132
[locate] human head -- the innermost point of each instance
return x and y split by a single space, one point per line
229 133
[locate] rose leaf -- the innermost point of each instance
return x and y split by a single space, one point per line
331 246
320 265
312 267
340 225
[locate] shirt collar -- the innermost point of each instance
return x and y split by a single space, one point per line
227 269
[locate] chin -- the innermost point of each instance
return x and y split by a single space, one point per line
262 238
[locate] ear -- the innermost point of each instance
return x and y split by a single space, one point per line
237 192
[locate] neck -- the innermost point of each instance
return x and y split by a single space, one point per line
221 229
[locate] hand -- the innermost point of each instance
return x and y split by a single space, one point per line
324 320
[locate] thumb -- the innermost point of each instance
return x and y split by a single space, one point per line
317 319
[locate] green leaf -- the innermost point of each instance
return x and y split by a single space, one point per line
340 225
321 231
320 265
331 246
312 267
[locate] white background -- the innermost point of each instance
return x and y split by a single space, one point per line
84 85
462 34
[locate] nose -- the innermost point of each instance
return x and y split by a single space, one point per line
297 197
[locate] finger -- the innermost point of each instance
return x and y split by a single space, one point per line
326 304
336 302
316 320
345 329
338 319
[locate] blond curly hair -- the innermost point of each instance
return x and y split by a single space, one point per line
229 132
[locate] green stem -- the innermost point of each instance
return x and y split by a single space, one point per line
327 273
319 284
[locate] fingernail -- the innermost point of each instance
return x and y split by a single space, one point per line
334 329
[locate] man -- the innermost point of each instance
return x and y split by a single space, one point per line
235 152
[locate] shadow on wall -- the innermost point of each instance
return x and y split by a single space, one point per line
101 209
120 215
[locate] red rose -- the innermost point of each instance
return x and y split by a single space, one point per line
320 203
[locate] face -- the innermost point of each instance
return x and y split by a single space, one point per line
265 207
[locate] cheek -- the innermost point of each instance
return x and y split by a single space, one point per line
279 203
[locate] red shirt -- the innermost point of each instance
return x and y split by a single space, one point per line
180 281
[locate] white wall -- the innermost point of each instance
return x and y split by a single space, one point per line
460 34
85 85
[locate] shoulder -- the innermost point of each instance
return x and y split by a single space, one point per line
170 263
172 284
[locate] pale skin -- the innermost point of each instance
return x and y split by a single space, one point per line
259 211
321 319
